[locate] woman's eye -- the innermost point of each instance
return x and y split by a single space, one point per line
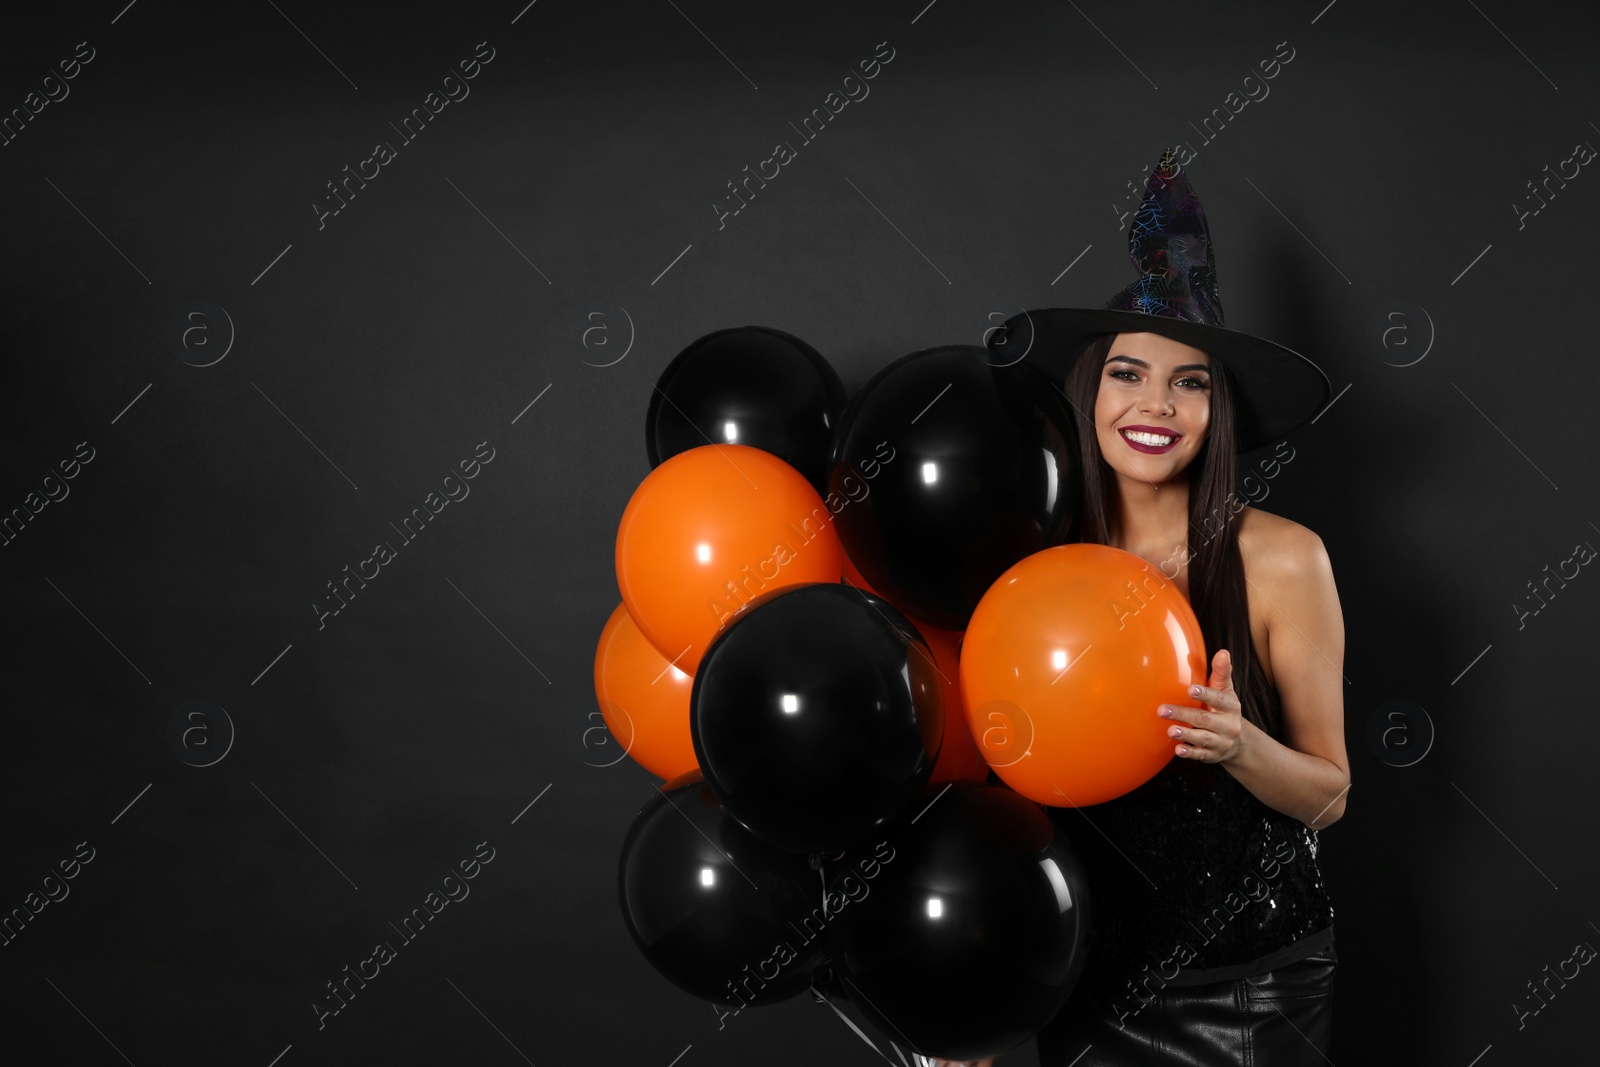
1194 384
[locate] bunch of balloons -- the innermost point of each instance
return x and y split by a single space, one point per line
837 621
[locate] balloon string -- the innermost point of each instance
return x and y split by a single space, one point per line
847 1021
920 1060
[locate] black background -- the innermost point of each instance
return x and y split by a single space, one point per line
375 353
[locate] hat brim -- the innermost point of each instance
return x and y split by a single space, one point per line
1277 388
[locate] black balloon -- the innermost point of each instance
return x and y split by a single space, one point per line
710 905
953 470
748 385
817 716
974 934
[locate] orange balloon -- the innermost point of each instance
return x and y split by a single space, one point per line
709 530
644 701
959 758
1066 659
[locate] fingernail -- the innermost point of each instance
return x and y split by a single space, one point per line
1194 690
1166 712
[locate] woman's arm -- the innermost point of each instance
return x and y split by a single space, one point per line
1307 775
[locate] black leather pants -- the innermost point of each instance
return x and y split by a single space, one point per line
1283 1018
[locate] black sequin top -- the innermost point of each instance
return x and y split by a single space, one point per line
1190 873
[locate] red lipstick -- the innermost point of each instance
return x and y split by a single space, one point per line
1154 450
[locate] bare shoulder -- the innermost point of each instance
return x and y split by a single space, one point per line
1292 595
1277 550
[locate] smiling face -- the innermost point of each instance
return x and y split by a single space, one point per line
1152 389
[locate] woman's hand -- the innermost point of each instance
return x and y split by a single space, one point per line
1214 733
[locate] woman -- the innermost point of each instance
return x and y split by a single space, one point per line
1213 931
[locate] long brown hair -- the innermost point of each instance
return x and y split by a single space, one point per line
1216 569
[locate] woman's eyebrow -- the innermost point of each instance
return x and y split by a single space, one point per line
1141 363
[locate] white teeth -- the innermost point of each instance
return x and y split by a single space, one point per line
1155 440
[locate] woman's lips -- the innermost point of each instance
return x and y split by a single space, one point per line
1154 450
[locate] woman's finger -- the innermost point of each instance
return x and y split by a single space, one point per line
1203 746
1222 669
1189 737
1179 713
1222 699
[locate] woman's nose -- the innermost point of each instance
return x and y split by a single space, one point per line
1155 400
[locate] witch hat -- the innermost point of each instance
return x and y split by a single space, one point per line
1175 295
